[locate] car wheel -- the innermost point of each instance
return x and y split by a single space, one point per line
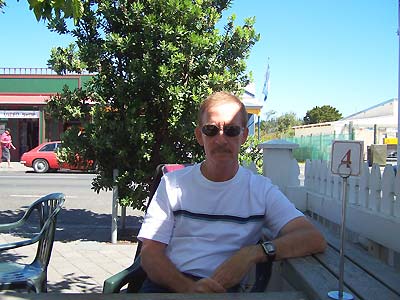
40 165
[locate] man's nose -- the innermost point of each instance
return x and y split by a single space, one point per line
220 135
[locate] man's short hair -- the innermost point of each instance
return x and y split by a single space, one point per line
218 98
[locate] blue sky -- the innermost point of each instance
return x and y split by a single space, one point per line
342 53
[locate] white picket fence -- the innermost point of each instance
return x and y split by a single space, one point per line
373 204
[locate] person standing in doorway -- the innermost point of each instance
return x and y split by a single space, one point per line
6 145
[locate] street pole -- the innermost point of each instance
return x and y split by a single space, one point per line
114 209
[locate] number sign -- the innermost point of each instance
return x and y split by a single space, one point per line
346 157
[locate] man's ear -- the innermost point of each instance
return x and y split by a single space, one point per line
199 135
245 135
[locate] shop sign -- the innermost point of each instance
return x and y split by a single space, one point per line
19 114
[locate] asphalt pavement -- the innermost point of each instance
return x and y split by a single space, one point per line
82 256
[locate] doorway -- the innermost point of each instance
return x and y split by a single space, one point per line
28 136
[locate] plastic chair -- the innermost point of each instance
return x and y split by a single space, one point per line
33 276
134 275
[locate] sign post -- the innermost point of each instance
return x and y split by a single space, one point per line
346 161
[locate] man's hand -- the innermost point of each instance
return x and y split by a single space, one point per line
162 271
207 285
231 271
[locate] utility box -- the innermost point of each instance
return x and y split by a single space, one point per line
376 154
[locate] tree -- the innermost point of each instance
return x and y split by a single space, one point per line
269 125
286 122
276 127
60 9
325 113
154 61
49 9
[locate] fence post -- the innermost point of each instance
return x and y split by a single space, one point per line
321 155
279 164
351 131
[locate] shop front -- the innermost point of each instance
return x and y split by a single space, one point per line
23 97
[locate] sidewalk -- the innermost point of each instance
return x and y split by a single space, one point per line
15 166
78 266
82 256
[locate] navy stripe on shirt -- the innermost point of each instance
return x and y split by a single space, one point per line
226 218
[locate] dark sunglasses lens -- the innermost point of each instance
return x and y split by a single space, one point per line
232 130
210 130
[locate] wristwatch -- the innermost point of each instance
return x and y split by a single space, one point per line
269 249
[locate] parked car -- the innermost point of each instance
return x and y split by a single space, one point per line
43 158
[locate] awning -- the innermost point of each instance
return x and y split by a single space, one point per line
252 104
254 111
24 99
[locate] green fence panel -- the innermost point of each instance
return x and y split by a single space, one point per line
315 146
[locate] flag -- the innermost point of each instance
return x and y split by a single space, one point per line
266 84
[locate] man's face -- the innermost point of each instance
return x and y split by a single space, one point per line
222 147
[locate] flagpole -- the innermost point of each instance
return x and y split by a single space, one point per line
398 91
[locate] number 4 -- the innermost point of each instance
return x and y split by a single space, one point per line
346 159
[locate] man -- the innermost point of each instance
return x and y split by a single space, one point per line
6 144
201 230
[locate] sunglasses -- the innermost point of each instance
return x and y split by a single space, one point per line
229 130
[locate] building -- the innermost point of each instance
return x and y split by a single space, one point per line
253 106
24 93
23 96
374 125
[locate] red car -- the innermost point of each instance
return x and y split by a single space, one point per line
43 158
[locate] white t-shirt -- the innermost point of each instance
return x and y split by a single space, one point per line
205 222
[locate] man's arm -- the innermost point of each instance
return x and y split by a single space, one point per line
162 271
297 238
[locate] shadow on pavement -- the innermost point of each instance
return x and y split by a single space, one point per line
77 224
73 282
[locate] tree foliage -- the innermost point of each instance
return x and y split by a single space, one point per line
154 61
320 114
53 10
251 154
59 9
276 127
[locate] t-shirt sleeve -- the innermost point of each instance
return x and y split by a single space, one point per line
279 211
159 220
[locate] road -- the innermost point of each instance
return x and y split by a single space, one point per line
84 209
20 188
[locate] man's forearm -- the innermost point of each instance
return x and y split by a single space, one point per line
300 242
233 270
162 271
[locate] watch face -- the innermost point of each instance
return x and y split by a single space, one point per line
270 248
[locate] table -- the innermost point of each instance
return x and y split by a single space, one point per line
365 277
232 296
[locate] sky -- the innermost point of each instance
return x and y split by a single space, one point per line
343 53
